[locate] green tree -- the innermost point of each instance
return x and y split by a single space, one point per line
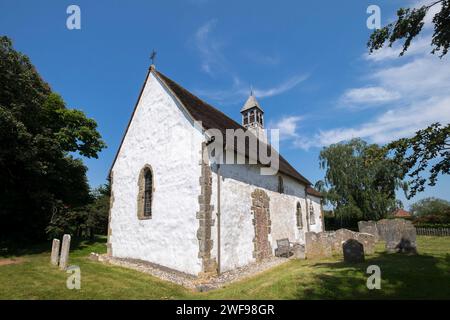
427 150
84 221
39 140
357 184
409 24
429 206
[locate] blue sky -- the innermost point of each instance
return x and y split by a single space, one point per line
306 61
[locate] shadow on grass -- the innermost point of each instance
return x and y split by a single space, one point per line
14 249
402 277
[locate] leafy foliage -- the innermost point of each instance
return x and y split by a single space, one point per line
357 184
409 24
85 221
427 149
39 137
429 206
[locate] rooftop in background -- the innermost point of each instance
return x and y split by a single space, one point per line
401 213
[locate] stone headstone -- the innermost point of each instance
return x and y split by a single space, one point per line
299 251
353 251
368 242
407 242
399 234
317 245
65 248
55 252
94 256
369 227
383 227
342 235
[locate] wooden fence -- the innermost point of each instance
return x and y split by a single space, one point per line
440 232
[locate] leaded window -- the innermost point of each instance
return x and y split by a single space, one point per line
298 215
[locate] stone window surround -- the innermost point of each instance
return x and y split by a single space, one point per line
141 192
280 187
299 215
311 214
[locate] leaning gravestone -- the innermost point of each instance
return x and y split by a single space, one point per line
65 248
369 227
55 252
353 251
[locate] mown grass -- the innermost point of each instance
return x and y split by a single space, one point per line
422 276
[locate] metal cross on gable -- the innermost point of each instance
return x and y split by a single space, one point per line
153 57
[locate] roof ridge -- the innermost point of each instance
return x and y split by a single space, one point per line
193 95
211 122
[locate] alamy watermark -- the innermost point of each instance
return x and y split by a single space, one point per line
374 20
374 280
74 280
73 21
239 146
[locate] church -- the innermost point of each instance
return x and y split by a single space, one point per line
175 207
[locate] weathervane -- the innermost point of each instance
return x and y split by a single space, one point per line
153 57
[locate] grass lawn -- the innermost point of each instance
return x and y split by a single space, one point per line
425 276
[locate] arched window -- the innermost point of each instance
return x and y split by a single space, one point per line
298 214
148 177
280 184
145 196
312 216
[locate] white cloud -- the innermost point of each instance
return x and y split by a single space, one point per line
392 124
212 58
239 90
281 88
287 125
369 95
417 47
414 90
213 62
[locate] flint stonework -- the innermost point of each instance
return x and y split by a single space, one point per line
262 225
353 251
55 252
65 249
204 216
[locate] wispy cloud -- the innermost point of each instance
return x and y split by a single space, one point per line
214 62
212 58
281 88
239 90
414 91
368 96
392 124
260 58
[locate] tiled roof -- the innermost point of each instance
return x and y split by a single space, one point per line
212 118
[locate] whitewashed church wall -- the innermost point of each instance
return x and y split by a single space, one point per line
162 137
317 227
237 230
